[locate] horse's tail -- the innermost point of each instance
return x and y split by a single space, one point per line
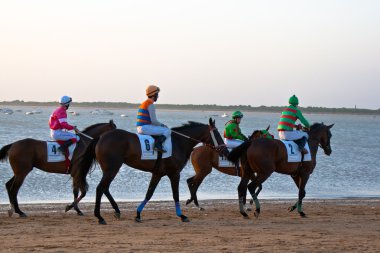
86 160
237 152
4 152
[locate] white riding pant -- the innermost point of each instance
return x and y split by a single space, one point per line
62 135
154 130
292 135
232 143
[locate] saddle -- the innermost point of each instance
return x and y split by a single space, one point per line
54 155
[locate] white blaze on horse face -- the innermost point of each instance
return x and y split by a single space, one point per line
213 138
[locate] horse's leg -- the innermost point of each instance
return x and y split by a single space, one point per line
102 187
76 201
252 189
302 193
13 186
257 183
242 193
193 183
152 187
174 181
113 203
300 181
258 190
297 180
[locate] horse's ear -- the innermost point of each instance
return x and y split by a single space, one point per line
330 126
268 127
211 122
111 122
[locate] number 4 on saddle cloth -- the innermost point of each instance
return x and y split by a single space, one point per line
54 155
147 147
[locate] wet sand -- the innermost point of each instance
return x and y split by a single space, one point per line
344 225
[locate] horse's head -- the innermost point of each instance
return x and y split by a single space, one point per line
261 134
217 139
321 133
98 129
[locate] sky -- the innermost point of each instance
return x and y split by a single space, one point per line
241 52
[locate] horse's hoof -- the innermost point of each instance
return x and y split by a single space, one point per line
188 201
202 209
302 214
10 213
68 208
102 222
184 218
256 213
79 213
249 209
117 215
23 215
138 219
245 215
292 208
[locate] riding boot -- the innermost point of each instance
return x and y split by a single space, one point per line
65 146
158 144
301 145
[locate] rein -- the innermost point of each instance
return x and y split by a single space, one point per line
216 146
85 135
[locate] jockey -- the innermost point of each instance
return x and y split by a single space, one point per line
59 126
147 122
287 122
232 133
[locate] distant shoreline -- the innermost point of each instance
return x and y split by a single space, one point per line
205 107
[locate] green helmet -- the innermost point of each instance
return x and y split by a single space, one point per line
237 114
293 100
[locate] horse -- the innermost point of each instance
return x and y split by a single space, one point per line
265 156
27 153
204 158
119 146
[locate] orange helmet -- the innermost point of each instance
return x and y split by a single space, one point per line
152 90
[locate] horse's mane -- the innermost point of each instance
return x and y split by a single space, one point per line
96 125
316 126
189 124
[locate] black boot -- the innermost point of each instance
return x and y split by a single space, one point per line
65 145
301 145
158 144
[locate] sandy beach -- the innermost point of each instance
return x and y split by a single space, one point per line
344 225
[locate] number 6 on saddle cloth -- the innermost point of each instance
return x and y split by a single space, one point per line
147 147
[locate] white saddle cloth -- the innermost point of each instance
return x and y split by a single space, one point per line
147 147
294 155
54 155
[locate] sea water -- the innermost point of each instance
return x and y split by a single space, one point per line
352 170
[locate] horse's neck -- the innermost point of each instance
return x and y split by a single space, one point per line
184 144
94 133
313 145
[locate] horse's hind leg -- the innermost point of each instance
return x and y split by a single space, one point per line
301 182
242 193
113 203
13 186
76 201
193 183
102 187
